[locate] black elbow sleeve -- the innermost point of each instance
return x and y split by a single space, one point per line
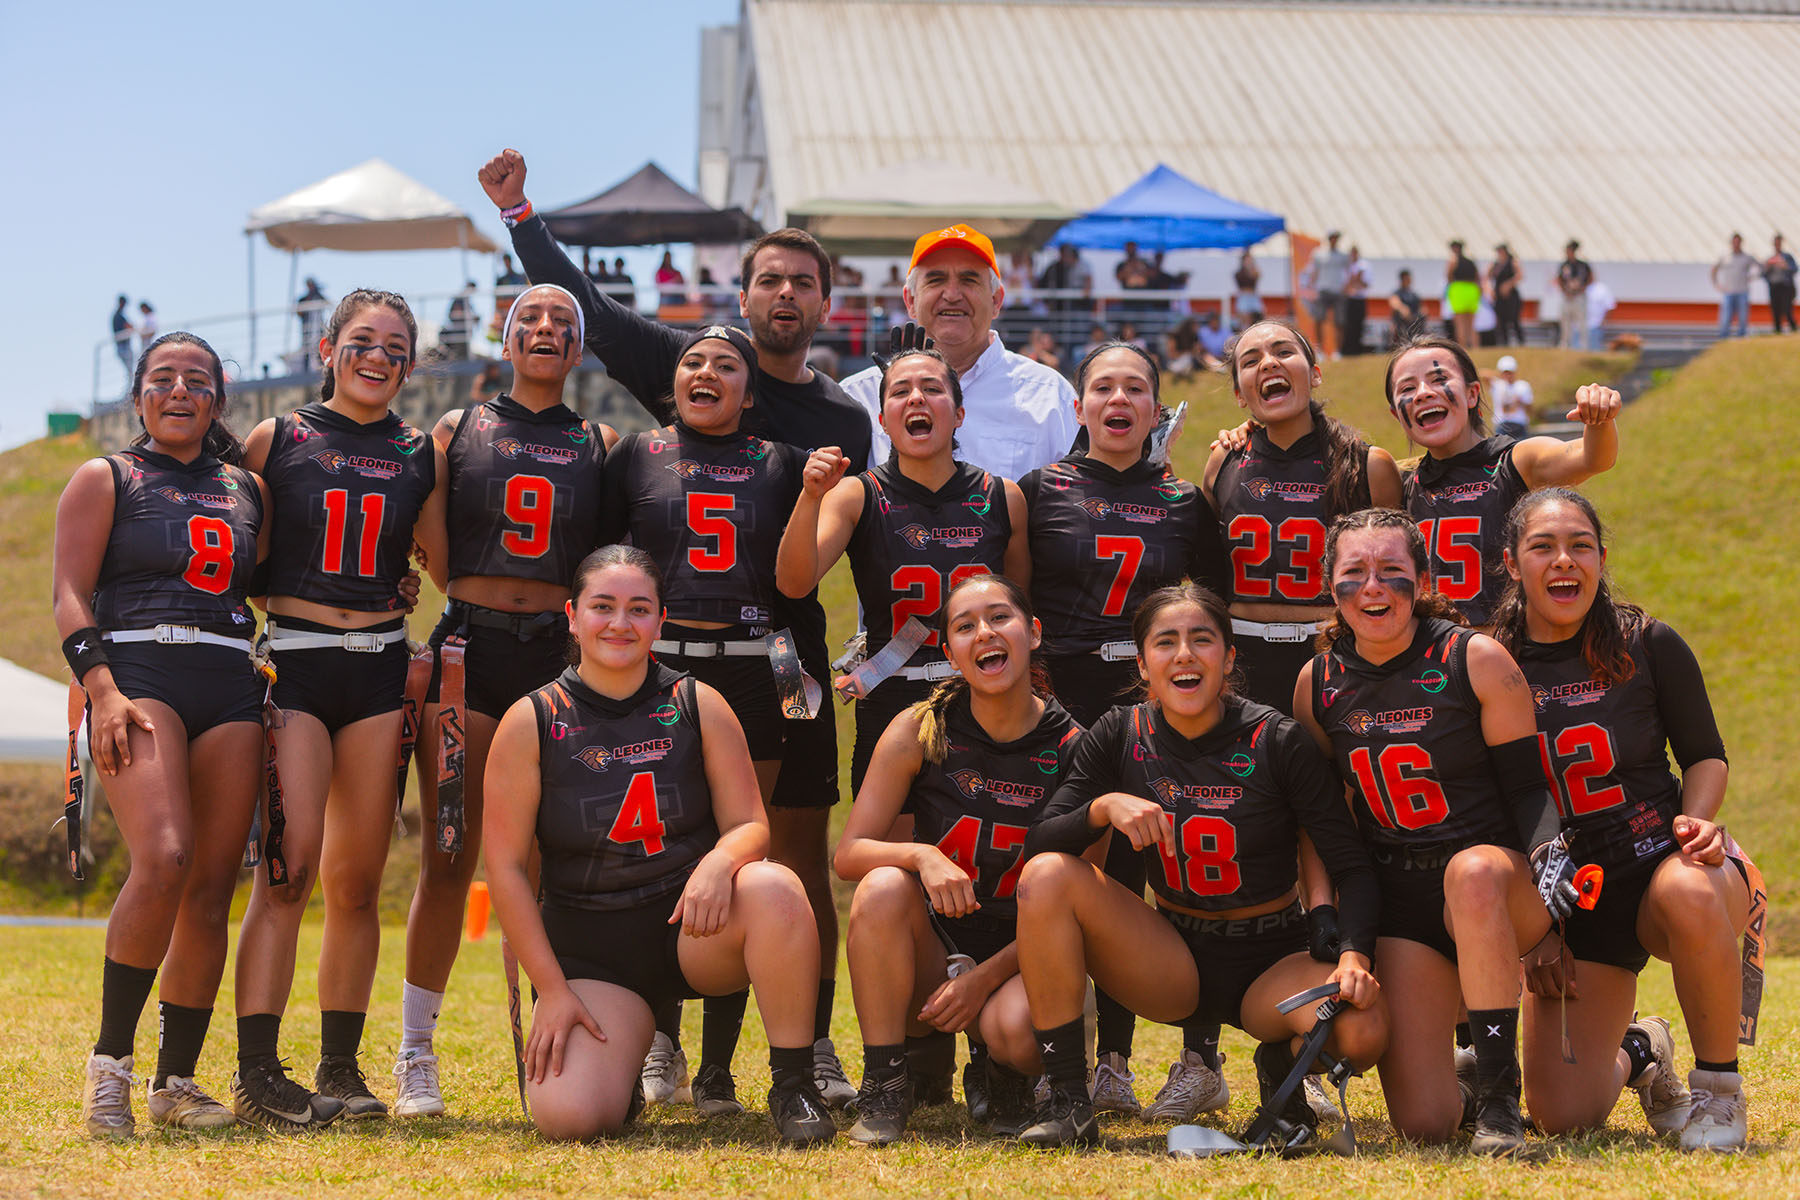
1519 768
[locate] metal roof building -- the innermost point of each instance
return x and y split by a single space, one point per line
1649 129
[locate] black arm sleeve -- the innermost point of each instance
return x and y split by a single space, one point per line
615 507
1093 772
1207 564
1519 769
1317 798
1687 714
637 352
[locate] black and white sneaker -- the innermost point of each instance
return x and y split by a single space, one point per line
262 1094
338 1076
1066 1119
799 1113
1011 1107
715 1092
882 1108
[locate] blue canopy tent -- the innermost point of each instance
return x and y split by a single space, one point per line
1165 210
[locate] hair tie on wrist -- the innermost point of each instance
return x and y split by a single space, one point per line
84 649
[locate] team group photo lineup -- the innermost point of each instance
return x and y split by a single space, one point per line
1178 713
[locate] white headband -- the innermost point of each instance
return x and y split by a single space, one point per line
580 315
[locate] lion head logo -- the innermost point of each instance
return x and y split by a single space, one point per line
332 460
508 447
595 758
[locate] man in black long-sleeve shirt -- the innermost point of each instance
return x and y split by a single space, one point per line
786 290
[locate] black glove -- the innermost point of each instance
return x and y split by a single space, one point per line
1553 870
910 336
1322 940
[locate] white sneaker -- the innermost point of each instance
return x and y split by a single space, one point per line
834 1086
181 1104
1112 1086
106 1097
1659 1088
665 1076
1319 1100
1720 1117
419 1092
1193 1088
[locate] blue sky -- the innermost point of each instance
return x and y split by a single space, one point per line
137 137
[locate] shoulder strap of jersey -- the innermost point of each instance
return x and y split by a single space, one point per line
462 424
118 464
548 702
1143 730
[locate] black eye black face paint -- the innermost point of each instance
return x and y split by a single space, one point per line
1345 589
568 341
347 354
519 337
1398 583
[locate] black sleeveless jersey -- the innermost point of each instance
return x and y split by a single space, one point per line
911 546
524 497
182 546
1407 738
1272 508
1236 799
625 811
346 497
710 509
1461 505
979 803
1103 539
1603 746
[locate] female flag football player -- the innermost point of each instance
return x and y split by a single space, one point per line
523 510
631 784
154 550
1217 793
707 501
354 487
1612 686
1468 481
1431 728
932 922
1106 529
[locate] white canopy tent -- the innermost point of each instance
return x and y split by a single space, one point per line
32 712
372 206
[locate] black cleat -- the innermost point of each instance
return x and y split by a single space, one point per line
1009 1101
715 1092
262 1094
1274 1061
882 1107
339 1077
976 1076
1066 1119
798 1111
1466 1085
1499 1128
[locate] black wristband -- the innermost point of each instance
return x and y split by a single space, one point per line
85 650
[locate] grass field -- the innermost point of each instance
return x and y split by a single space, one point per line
49 986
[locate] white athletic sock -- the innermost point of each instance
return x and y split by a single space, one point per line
418 1019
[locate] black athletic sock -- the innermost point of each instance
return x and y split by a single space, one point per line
258 1035
181 1031
884 1062
668 1021
932 1056
340 1033
1464 1038
1700 1064
1496 1033
790 1066
978 1053
1204 1041
1637 1048
721 1019
1065 1055
1114 1024
822 1010
123 993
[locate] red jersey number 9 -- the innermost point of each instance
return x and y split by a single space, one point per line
924 593
211 543
530 499
709 516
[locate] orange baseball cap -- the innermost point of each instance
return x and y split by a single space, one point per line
956 235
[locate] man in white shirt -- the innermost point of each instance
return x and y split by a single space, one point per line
1018 415
1512 399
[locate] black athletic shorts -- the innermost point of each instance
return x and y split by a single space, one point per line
977 935
1232 955
1271 668
747 683
809 758
509 655
635 948
1412 893
1607 934
340 687
205 685
874 714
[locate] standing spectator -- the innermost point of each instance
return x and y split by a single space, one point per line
1249 301
1572 279
311 307
1357 281
122 329
1135 274
1018 280
1406 311
670 283
1512 399
1462 290
459 324
146 326
891 297
1778 270
1596 304
1731 275
1503 286
1068 274
509 281
1325 283
1163 280
620 286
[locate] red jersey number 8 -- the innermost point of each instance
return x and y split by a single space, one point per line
209 565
